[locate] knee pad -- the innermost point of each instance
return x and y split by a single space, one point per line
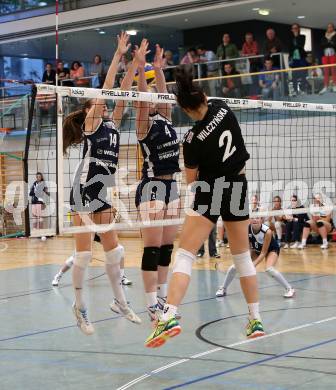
96 238
114 256
82 259
183 262
271 271
307 225
150 258
165 255
319 224
70 260
244 264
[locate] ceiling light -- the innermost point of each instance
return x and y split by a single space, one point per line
186 20
42 4
264 12
301 17
131 32
24 54
101 32
97 29
255 9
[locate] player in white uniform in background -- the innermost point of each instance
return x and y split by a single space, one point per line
264 247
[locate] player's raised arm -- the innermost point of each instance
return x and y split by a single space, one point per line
127 82
160 80
94 116
143 108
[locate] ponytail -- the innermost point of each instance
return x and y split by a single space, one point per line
72 127
188 95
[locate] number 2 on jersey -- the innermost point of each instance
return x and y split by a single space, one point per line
228 151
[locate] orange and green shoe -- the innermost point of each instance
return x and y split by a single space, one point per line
163 331
254 329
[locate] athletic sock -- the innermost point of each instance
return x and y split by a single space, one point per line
278 277
122 272
162 290
78 276
113 272
168 312
304 241
230 275
254 311
325 241
151 298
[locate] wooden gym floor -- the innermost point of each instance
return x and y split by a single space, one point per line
41 347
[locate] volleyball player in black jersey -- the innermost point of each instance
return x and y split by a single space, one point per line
157 196
215 155
89 192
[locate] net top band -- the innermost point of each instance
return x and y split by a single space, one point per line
117 94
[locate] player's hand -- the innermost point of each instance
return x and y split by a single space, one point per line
158 59
141 52
123 45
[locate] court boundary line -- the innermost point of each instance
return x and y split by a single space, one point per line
248 341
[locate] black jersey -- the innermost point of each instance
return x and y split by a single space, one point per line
100 152
215 144
257 240
160 148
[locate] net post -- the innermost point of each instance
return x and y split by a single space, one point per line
25 157
59 165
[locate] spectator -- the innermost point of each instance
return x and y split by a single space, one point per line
250 48
328 44
255 204
207 70
211 245
63 74
97 71
77 73
49 75
320 222
226 50
315 76
297 59
276 223
272 46
269 82
191 57
294 225
231 86
37 193
168 61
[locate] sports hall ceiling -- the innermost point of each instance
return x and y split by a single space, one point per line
166 26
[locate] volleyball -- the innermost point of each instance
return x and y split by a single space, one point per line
149 73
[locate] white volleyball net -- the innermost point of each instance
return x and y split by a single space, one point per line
292 148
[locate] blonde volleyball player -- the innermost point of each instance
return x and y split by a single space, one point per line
214 157
69 263
89 196
157 196
264 247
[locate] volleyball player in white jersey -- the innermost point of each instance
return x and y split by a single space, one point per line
320 222
264 247
89 196
214 157
157 197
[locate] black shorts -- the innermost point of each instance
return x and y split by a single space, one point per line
226 198
151 189
89 199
